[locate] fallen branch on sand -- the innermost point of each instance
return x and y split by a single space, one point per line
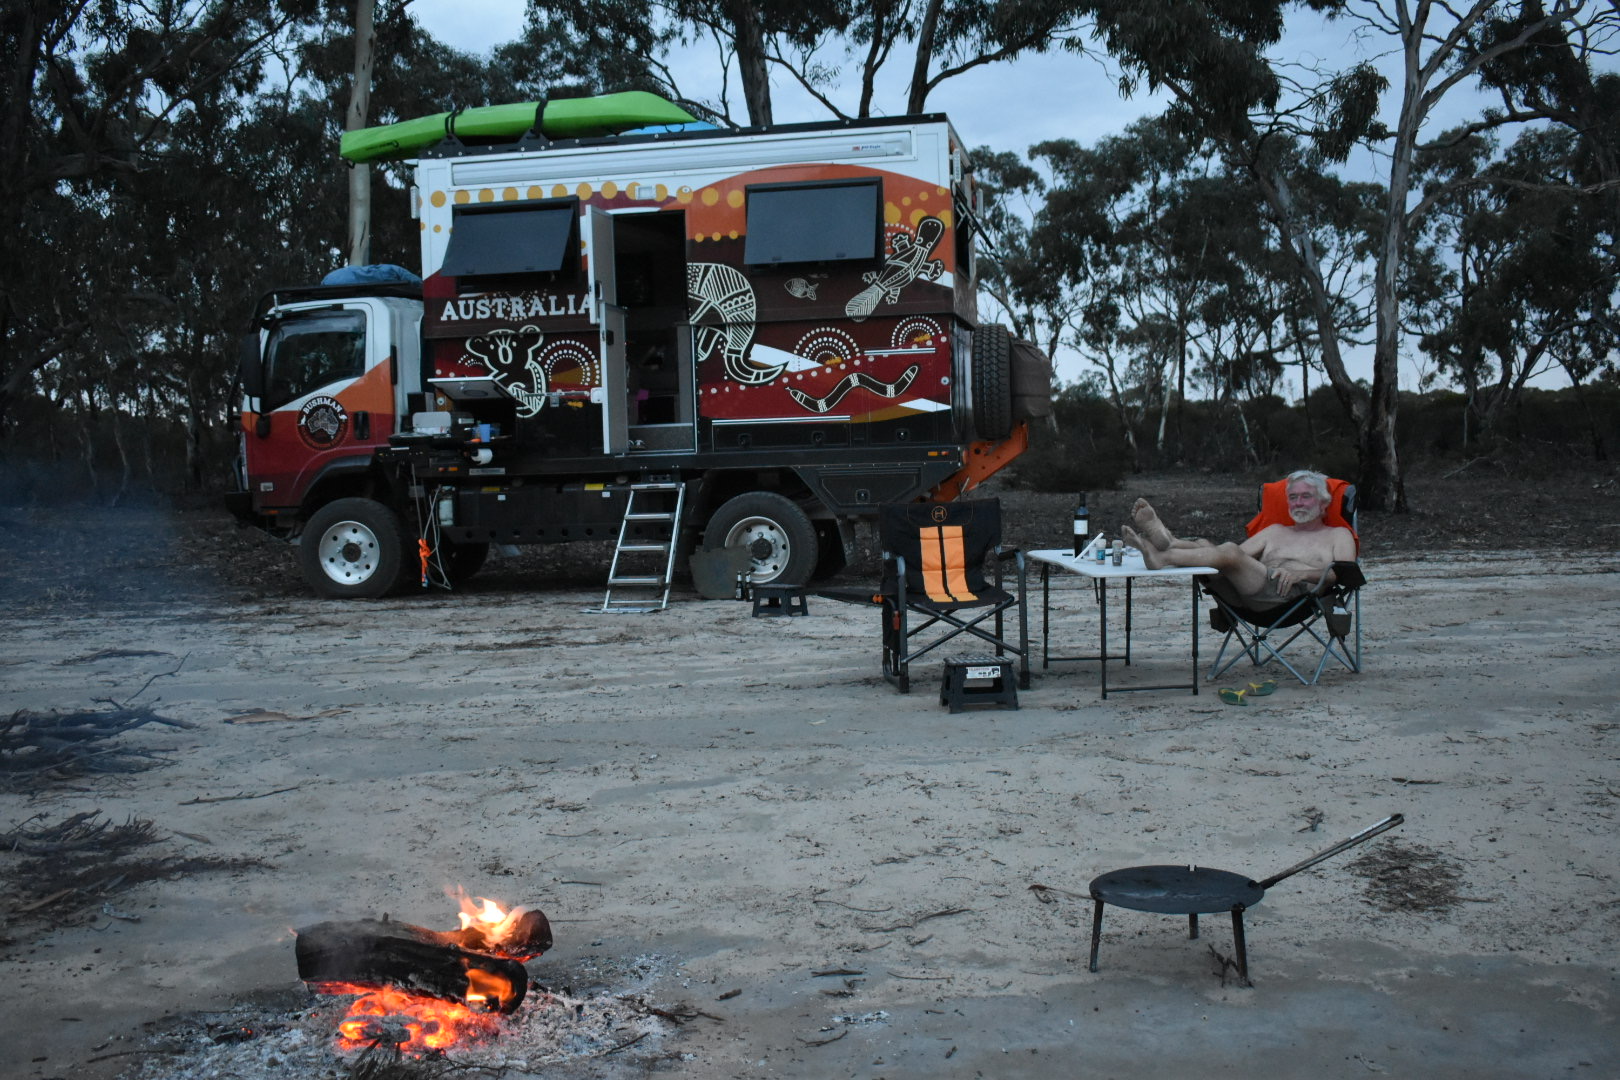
239 795
68 869
37 747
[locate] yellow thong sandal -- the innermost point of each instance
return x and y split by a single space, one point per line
1261 689
1234 697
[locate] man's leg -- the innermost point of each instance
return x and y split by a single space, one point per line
1153 529
1245 574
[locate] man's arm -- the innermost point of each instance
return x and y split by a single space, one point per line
1344 546
1344 550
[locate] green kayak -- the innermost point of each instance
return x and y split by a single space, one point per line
564 119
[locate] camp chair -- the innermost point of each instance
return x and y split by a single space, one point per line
934 558
1329 614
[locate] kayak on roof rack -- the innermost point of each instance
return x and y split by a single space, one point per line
607 114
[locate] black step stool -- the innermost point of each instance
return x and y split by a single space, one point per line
960 670
779 600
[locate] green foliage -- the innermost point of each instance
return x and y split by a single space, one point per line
1083 449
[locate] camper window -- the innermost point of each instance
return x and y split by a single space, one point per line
827 222
514 238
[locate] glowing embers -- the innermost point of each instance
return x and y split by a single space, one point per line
415 1023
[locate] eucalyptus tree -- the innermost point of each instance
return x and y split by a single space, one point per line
1216 61
90 91
1146 224
1530 278
822 46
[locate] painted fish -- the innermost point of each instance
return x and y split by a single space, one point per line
800 288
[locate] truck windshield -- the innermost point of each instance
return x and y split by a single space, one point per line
312 351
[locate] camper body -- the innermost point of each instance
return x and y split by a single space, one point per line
777 325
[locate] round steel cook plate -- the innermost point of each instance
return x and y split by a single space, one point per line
1176 890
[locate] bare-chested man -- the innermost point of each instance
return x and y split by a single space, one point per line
1271 567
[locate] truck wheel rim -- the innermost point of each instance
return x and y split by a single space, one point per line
767 544
348 553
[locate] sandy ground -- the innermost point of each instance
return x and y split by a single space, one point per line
738 804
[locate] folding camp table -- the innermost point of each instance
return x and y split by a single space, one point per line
1101 573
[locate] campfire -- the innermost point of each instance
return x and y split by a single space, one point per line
424 990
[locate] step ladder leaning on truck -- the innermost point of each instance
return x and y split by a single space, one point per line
641 567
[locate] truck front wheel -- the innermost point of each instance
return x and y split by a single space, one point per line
353 548
777 534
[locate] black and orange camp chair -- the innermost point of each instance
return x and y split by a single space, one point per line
1329 614
934 557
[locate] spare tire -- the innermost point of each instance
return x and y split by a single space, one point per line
992 382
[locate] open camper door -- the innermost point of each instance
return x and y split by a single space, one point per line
609 319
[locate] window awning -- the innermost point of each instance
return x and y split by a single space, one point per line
515 238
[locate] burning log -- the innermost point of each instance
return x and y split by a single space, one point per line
378 952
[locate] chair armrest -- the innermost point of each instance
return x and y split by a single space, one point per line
1346 576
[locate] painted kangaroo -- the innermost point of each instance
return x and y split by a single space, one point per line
719 289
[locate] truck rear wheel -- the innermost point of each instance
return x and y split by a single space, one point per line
992 382
778 535
353 548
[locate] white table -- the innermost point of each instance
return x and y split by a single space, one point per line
1101 573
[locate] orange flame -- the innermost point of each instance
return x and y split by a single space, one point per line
491 920
417 1023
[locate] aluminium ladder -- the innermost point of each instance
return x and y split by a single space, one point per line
648 584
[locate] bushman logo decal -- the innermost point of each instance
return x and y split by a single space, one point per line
322 422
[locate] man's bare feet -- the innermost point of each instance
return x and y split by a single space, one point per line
1150 554
1147 521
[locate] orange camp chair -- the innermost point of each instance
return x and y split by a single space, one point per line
1330 614
934 557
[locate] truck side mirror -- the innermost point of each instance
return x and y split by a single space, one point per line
250 365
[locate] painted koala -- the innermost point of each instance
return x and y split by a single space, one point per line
512 359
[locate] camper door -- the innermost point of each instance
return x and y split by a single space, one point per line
609 319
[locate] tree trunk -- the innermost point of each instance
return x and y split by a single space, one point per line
927 30
123 454
365 46
751 65
1301 249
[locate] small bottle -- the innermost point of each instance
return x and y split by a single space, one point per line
1119 553
1101 550
1082 525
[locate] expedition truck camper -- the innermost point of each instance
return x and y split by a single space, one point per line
667 337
